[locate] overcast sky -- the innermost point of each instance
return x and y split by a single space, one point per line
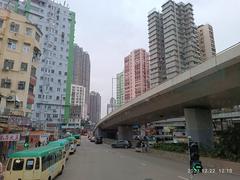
110 29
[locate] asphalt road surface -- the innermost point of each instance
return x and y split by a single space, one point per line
101 162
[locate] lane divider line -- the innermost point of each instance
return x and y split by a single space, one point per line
180 177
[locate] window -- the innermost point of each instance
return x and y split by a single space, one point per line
65 73
29 164
28 31
26 48
18 164
24 66
33 71
60 72
1 22
21 85
14 27
9 165
44 163
6 83
37 36
57 98
37 165
52 71
8 64
12 44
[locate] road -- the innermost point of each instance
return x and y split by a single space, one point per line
101 162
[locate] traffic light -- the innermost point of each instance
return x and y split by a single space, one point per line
195 163
26 143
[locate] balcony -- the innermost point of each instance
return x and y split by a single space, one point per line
13 112
33 80
31 97
36 55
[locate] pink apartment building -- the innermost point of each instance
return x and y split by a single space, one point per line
136 74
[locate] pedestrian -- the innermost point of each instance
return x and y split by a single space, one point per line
142 145
146 146
1 171
39 143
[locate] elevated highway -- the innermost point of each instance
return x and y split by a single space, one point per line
213 84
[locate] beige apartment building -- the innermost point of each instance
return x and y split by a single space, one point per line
19 57
206 42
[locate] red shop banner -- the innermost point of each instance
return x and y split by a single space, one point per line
9 137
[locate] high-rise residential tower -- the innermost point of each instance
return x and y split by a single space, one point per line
157 66
136 74
180 38
81 70
53 89
111 106
95 107
120 89
174 34
78 105
206 41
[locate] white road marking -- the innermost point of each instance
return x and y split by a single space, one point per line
180 177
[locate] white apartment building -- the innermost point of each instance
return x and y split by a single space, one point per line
78 104
56 21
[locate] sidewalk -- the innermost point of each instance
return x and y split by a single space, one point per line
207 162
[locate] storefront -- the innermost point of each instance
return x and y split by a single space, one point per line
8 144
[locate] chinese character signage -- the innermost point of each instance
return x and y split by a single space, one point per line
9 137
20 121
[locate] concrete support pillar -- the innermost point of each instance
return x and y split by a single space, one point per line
143 130
199 126
98 132
125 133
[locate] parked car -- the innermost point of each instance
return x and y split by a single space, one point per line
98 140
151 141
92 139
122 144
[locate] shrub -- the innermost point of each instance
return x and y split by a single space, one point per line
227 147
180 147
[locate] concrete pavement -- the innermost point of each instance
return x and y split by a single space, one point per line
101 162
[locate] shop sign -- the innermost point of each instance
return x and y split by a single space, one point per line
9 137
20 121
